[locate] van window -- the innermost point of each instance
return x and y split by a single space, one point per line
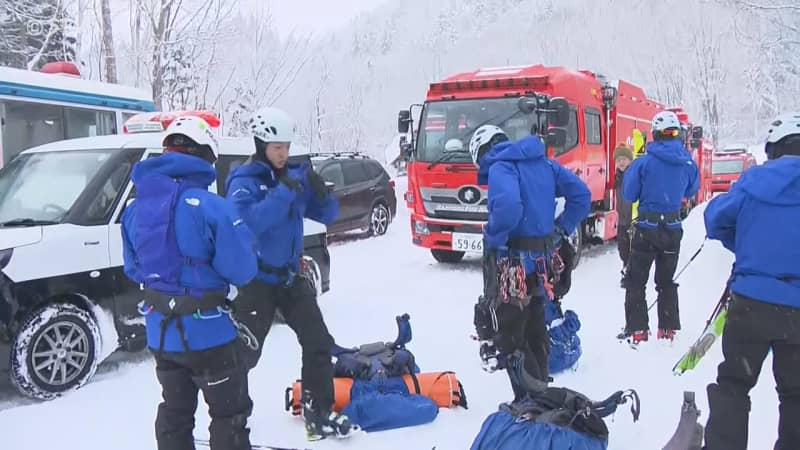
44 186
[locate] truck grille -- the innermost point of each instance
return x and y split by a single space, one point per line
463 203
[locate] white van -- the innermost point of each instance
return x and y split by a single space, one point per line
65 302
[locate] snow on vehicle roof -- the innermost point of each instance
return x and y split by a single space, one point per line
32 78
238 146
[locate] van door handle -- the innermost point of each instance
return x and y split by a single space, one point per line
91 243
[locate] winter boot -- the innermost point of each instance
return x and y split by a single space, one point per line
666 333
322 422
634 337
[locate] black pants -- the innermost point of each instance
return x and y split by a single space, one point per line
525 330
751 330
662 246
623 243
222 377
256 308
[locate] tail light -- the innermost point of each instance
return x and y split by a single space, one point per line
391 183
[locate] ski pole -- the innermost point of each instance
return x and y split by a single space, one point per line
684 268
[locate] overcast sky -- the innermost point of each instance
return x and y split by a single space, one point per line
317 16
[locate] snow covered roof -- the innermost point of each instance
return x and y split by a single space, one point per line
27 83
238 146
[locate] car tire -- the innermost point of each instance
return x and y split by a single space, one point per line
447 256
55 352
379 220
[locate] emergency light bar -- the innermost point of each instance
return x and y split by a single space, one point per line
538 82
156 122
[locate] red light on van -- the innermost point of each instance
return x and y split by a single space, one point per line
155 122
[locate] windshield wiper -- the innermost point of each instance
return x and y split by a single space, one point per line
446 156
27 222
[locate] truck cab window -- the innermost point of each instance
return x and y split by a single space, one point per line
572 134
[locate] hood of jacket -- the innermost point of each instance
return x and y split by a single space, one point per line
778 183
527 148
176 165
671 152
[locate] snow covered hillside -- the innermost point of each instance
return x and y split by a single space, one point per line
373 280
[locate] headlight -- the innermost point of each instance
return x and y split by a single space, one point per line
421 228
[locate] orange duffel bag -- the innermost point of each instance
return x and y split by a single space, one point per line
442 387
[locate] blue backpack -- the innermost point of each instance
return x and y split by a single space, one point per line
565 345
158 257
553 419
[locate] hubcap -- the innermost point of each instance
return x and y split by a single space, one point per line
60 353
379 220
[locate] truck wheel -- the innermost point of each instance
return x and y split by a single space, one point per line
447 256
55 352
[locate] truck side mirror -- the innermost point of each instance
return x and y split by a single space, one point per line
556 137
407 150
403 121
697 133
559 112
694 143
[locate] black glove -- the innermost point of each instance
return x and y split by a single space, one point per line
317 185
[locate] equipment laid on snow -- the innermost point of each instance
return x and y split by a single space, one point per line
689 434
379 385
552 419
206 443
714 327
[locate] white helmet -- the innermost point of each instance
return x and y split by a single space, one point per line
666 120
783 125
272 125
192 132
453 145
783 137
483 136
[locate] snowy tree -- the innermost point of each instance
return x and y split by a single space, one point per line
35 32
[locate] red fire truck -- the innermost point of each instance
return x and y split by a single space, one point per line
727 166
449 208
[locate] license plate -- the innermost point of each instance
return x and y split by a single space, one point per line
468 242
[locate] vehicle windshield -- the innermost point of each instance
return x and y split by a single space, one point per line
726 166
442 121
42 187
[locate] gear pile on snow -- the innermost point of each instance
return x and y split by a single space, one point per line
379 386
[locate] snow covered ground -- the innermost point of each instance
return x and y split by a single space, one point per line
373 280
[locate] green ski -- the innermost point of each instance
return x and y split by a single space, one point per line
714 327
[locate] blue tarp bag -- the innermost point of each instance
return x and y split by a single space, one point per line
554 419
388 405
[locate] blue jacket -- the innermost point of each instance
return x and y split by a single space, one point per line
523 187
275 214
757 220
661 179
206 228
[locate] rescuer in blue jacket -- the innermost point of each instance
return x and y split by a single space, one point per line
273 197
189 249
659 181
757 220
523 240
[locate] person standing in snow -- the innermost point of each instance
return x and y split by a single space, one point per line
757 221
187 247
523 185
623 156
273 197
659 181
